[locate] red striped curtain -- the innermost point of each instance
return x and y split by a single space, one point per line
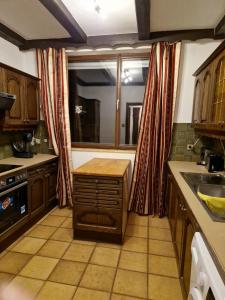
52 70
148 187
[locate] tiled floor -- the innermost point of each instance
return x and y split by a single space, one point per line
50 265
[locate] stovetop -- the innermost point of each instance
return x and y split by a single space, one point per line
4 168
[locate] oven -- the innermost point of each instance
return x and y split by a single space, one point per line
206 282
13 199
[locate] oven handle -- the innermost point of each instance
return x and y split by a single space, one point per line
13 188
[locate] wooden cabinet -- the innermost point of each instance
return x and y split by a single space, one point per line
183 226
42 187
24 113
208 115
100 202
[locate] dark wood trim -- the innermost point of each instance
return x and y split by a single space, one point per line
65 18
102 146
215 53
98 57
11 36
118 101
18 71
220 27
177 35
46 43
143 18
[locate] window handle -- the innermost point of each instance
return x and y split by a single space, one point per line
117 104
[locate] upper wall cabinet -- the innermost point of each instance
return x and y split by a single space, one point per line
208 116
24 113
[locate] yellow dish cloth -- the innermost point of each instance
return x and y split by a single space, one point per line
215 204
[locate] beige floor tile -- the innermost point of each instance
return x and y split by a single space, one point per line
131 283
63 234
67 272
78 252
159 222
62 212
40 231
56 291
83 242
122 297
13 262
30 285
5 278
53 249
53 221
159 234
133 261
29 245
98 277
105 256
86 294
164 288
135 219
162 265
39 267
109 245
135 244
68 223
137 231
161 248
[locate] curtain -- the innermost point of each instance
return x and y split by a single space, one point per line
52 70
147 196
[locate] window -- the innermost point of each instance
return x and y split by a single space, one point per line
105 99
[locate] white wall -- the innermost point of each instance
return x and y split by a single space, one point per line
22 60
193 54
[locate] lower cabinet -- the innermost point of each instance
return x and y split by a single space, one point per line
36 194
183 226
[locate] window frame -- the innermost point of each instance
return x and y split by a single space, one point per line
118 57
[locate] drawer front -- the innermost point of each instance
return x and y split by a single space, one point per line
85 217
97 180
92 201
98 200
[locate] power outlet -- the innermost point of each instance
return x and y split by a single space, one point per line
190 147
38 141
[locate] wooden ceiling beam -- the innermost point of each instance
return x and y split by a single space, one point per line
220 28
143 18
11 36
65 18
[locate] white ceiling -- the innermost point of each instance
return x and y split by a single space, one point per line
120 16
30 19
185 14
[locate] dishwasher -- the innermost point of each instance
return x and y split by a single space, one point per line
206 282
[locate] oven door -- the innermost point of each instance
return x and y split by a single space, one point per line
13 205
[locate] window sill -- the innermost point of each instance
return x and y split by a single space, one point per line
79 149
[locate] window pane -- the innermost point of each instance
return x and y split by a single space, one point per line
133 79
92 96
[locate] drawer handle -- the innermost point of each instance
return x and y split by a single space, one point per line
96 180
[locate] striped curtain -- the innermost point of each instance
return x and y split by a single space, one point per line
148 187
52 70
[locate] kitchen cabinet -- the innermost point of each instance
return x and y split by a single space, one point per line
208 116
50 184
24 113
36 196
183 226
100 199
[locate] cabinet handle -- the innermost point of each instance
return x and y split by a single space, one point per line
183 208
47 175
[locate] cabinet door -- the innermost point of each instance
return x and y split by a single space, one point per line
218 103
187 258
172 205
36 194
50 185
180 223
197 100
15 85
110 220
207 77
85 217
32 101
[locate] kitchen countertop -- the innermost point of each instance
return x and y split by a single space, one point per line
103 167
213 232
26 162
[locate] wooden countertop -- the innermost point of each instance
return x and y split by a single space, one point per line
213 232
26 162
103 167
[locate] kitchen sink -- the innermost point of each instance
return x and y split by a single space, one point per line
213 185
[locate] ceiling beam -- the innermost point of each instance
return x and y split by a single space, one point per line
65 18
220 28
143 18
11 36
119 40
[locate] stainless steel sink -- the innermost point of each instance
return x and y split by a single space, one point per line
213 185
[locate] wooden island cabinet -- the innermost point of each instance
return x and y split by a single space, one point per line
100 198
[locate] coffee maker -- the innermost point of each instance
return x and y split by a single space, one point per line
204 156
22 148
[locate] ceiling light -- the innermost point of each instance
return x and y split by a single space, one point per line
126 80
